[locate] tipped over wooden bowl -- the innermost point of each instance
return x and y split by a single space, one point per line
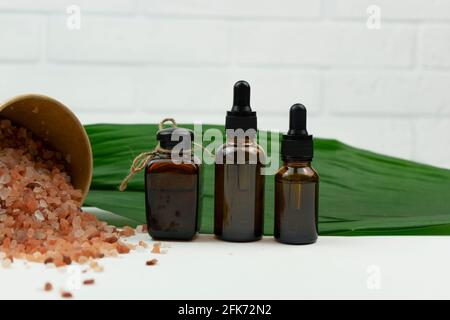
57 126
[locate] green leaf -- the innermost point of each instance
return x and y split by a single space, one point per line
361 192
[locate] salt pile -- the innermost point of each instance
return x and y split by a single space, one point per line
40 211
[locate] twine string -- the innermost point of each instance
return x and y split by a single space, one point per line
139 164
142 159
165 120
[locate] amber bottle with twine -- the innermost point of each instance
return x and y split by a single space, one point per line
172 189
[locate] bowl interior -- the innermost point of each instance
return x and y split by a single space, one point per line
58 127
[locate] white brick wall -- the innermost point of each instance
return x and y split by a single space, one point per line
59 6
20 37
235 8
386 90
391 93
392 10
136 40
435 48
339 44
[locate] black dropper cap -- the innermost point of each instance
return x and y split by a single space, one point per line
164 136
297 144
241 115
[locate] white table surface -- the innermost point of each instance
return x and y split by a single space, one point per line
335 267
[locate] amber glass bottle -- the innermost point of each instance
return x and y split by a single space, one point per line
172 190
296 185
239 183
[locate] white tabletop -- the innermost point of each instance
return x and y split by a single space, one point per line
334 267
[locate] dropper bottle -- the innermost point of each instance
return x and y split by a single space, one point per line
296 184
239 182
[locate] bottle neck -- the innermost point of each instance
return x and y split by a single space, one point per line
296 163
185 146
169 153
247 140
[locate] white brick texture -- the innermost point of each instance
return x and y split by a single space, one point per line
432 141
435 46
297 86
389 136
100 6
391 93
323 44
236 8
20 37
121 40
84 88
210 90
397 9
385 90
187 90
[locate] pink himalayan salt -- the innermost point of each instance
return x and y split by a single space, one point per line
152 262
96 267
156 247
142 229
48 286
143 244
127 232
6 263
40 215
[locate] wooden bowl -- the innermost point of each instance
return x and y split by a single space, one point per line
59 128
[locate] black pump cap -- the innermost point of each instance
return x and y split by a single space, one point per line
241 115
297 144
164 136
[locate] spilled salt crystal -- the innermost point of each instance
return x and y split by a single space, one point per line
38 215
5 178
4 193
6 263
43 204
